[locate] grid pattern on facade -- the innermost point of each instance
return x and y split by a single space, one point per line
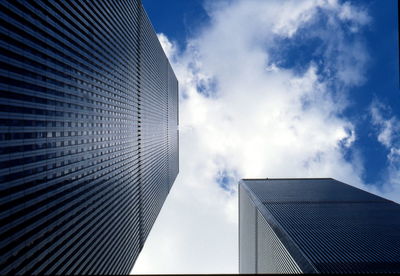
354 237
310 190
272 255
88 135
336 227
247 233
260 249
173 132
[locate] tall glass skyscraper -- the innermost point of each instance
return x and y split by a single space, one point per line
88 135
316 226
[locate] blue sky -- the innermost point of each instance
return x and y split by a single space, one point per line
177 19
180 19
271 89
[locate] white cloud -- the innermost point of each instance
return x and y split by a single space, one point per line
243 115
358 17
388 126
168 47
388 134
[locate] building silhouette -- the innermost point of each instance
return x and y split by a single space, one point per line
316 226
88 135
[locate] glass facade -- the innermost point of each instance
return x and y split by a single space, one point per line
88 135
316 226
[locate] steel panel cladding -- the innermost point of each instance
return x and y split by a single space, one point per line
318 226
88 135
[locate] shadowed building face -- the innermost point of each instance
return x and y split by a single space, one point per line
315 226
88 135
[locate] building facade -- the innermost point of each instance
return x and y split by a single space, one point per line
88 135
315 226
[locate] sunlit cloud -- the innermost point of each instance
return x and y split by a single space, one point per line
388 134
251 106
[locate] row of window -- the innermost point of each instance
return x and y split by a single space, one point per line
84 135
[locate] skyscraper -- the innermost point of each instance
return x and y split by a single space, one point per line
315 226
88 135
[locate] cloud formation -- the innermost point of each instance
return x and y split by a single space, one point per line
388 134
253 106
